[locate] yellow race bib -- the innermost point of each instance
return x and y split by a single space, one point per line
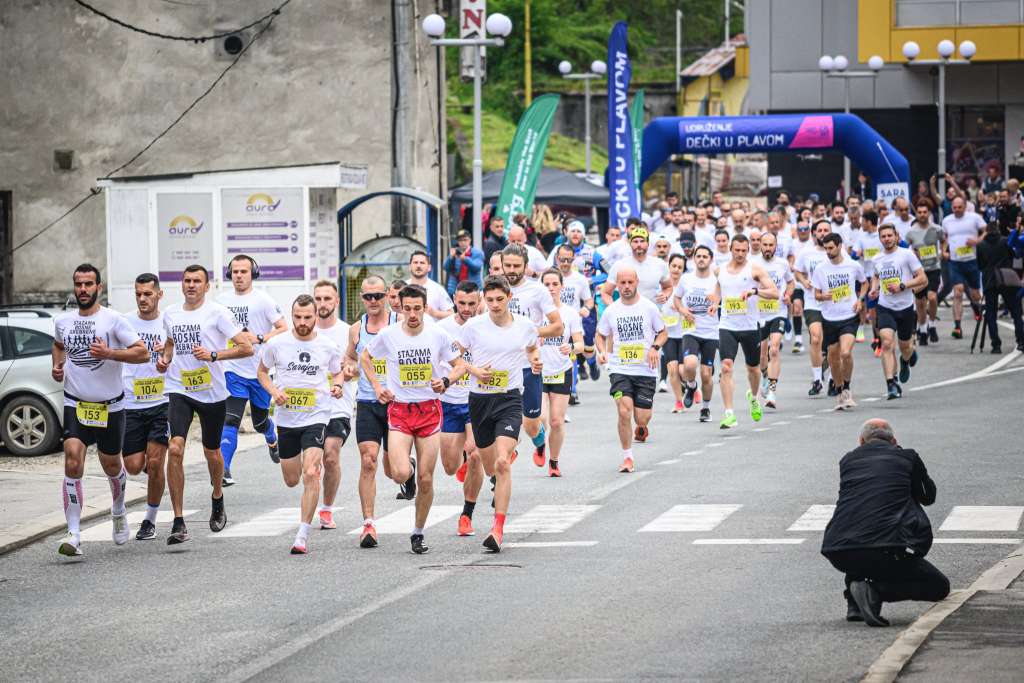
688 324
197 380
148 388
300 400
768 305
556 378
497 382
670 319
91 414
890 281
415 374
839 293
735 306
928 251
631 354
871 252
965 252
380 366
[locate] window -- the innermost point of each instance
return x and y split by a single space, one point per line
958 12
28 343
974 141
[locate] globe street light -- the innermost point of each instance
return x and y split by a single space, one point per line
597 70
945 50
835 67
499 26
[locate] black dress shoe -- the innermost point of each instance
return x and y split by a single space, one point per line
869 602
996 350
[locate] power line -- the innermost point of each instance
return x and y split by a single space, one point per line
190 39
95 190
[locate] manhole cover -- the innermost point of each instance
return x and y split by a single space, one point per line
453 567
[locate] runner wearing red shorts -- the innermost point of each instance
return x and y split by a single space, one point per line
414 355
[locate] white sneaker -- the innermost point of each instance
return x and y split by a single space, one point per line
789 335
764 387
567 419
848 401
840 402
121 531
662 387
769 399
70 547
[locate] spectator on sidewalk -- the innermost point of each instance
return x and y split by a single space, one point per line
496 241
464 262
879 533
999 279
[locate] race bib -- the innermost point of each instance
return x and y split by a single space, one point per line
300 400
839 293
148 388
928 251
871 252
463 381
497 382
670 319
689 324
631 354
965 252
735 306
91 414
380 366
768 305
890 281
557 378
415 374
197 380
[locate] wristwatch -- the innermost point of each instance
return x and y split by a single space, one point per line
753 291
903 287
213 356
447 382
656 347
259 338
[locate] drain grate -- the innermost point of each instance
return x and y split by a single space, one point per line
458 567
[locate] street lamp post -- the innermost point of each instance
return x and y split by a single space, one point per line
497 25
835 67
945 48
597 70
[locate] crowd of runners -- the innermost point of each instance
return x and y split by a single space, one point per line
663 305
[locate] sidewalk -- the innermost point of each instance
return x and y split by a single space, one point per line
30 504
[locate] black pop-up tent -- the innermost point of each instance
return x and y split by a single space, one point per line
555 186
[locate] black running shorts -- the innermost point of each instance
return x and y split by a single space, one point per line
182 409
638 388
494 415
903 322
833 330
144 425
294 440
732 341
372 423
108 440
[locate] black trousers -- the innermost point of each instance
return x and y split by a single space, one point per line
1011 298
894 574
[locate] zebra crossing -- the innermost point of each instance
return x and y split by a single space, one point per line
690 520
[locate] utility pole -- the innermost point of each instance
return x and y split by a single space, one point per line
527 56
402 216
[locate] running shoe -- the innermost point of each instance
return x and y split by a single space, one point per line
688 395
763 389
460 474
511 460
899 390
147 531
299 547
408 491
179 534
218 518
697 397
769 400
465 526
705 414
595 372
327 520
788 336
275 452
848 401
957 333
540 455
922 339
840 403
418 546
913 359
662 387
798 346
368 537
493 540
574 399
728 422
568 420
641 433
678 408
227 479
892 391
70 547
877 346
755 408
553 470
121 532
627 466
832 391
860 335
904 371
815 388
933 335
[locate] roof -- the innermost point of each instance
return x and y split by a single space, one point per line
554 186
716 58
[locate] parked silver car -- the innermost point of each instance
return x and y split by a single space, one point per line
31 402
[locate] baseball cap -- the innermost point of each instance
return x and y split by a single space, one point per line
463 233
575 226
637 231
687 238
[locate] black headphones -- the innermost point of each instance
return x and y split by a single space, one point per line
252 261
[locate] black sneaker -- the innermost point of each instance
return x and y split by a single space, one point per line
957 333
899 389
574 399
179 534
275 453
815 388
913 359
581 368
869 603
904 371
418 546
147 531
997 350
218 518
595 372
832 391
688 396
408 491
933 335
892 391
922 339
705 414
227 479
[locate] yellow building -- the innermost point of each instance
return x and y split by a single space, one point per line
716 84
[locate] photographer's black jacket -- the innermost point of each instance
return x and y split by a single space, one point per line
881 490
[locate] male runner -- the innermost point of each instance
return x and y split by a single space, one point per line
145 406
629 338
302 362
414 353
928 242
773 313
721 254
96 340
697 298
577 295
672 354
866 249
806 263
896 273
371 414
839 285
535 261
803 241
394 304
325 296
900 217
963 233
261 319
499 343
459 455
529 299
198 332
653 282
439 304
556 356
742 284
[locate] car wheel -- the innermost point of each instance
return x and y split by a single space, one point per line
28 427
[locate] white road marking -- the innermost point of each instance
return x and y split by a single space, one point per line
979 541
549 519
402 520
273 523
816 518
825 410
103 530
693 452
870 399
804 417
731 438
603 492
983 518
673 461
1002 362
550 544
748 541
691 518
762 429
782 422
714 444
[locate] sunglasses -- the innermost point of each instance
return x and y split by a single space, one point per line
565 260
373 296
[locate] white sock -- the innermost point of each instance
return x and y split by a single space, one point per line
627 453
706 404
368 521
73 502
817 374
931 324
151 511
728 411
322 508
923 327
418 531
303 531
117 485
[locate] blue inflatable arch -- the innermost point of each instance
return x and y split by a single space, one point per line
887 168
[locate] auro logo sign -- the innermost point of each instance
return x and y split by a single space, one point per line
184 225
261 202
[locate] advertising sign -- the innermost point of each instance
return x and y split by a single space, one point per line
184 232
265 223
755 134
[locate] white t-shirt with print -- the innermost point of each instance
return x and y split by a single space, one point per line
87 378
651 272
413 360
958 231
210 326
807 262
695 293
300 369
897 267
555 362
344 406
631 329
841 282
575 290
458 392
256 313
503 348
143 383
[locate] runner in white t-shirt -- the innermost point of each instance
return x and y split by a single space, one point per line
304 363
89 347
696 298
421 364
672 354
577 295
556 355
773 314
963 233
439 304
652 272
806 263
803 240
198 332
630 336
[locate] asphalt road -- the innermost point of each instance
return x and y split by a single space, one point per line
606 601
